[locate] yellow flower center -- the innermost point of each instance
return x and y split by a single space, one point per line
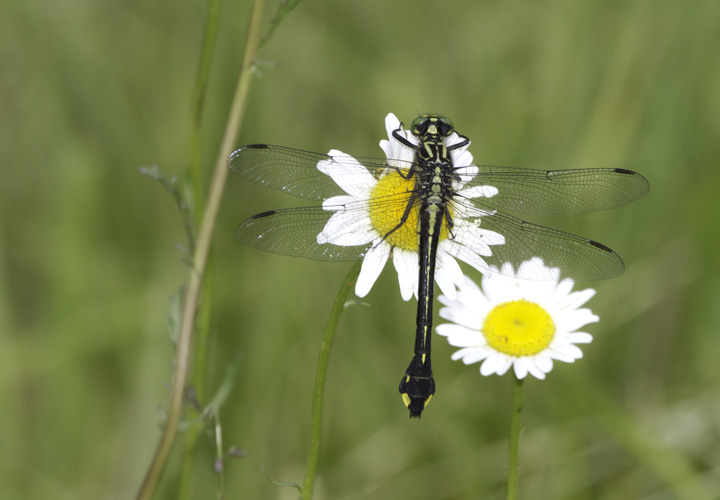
519 328
388 203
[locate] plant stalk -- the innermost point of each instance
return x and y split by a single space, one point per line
182 353
515 429
313 454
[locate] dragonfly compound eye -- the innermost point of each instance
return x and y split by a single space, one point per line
446 126
419 126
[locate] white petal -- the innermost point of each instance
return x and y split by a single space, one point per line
345 229
534 269
391 124
576 319
577 299
407 273
544 363
476 239
387 148
445 284
472 245
462 159
558 354
465 174
394 149
350 175
468 256
337 203
455 138
535 371
508 273
563 291
460 314
567 353
360 236
371 268
504 368
579 338
460 156
406 265
496 363
478 192
475 354
467 351
572 351
469 286
459 336
447 274
538 291
520 367
499 289
450 265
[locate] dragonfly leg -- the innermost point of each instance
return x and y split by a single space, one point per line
403 140
404 217
460 144
450 224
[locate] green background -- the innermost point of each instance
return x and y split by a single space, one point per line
91 91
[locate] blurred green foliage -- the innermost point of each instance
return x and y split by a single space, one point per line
91 91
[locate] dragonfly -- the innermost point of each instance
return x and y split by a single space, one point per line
426 201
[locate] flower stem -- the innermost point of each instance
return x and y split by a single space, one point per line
313 453
512 484
182 352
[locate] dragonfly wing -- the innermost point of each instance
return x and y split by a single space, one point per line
305 174
578 258
554 192
340 230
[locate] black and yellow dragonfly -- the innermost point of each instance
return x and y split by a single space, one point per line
438 203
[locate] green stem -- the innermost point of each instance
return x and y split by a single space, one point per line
197 376
313 453
182 353
512 484
203 323
201 79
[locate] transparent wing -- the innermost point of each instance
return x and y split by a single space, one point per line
527 191
533 192
556 192
295 231
578 258
296 172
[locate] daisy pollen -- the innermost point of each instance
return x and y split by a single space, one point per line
517 323
519 328
385 217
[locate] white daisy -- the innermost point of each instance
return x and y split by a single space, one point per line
470 243
519 323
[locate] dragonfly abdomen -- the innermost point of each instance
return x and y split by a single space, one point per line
434 188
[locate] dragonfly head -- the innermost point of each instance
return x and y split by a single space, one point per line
432 125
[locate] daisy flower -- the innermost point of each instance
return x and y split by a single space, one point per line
385 198
517 323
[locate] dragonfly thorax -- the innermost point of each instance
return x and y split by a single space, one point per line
432 130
